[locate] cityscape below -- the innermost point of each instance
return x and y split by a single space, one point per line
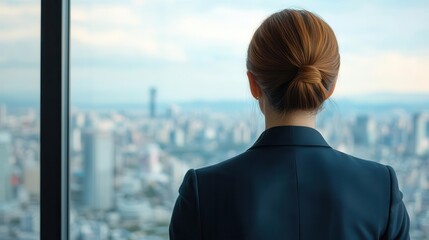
127 163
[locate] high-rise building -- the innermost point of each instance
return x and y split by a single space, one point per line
98 161
421 133
152 102
241 134
177 137
5 168
31 179
3 114
364 131
151 159
173 111
77 122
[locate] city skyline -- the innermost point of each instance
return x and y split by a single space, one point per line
139 176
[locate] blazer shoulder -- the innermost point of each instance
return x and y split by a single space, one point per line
361 172
231 164
363 163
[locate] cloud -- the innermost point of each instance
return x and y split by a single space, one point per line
371 26
222 26
120 31
19 33
19 21
393 72
12 11
106 15
194 35
138 31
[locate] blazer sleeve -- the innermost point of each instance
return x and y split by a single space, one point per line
185 220
399 223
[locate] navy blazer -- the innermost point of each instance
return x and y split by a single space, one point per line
290 185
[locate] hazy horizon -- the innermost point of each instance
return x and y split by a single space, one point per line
383 102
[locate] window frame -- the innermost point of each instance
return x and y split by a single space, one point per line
54 122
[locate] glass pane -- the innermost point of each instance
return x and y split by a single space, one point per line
19 119
159 87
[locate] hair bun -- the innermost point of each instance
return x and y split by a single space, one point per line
307 86
308 74
295 58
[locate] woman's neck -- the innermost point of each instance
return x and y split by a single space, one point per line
296 118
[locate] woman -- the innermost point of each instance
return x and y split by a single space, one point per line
291 184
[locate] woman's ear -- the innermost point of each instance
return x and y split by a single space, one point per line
254 87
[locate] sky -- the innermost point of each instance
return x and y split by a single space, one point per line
196 50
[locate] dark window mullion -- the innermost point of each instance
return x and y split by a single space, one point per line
54 119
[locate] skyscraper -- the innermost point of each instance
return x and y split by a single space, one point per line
421 132
152 102
151 163
5 168
3 114
98 161
364 131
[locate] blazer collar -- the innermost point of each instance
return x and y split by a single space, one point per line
290 136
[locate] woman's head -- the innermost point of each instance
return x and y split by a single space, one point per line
293 57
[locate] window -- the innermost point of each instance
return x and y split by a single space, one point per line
19 119
158 87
